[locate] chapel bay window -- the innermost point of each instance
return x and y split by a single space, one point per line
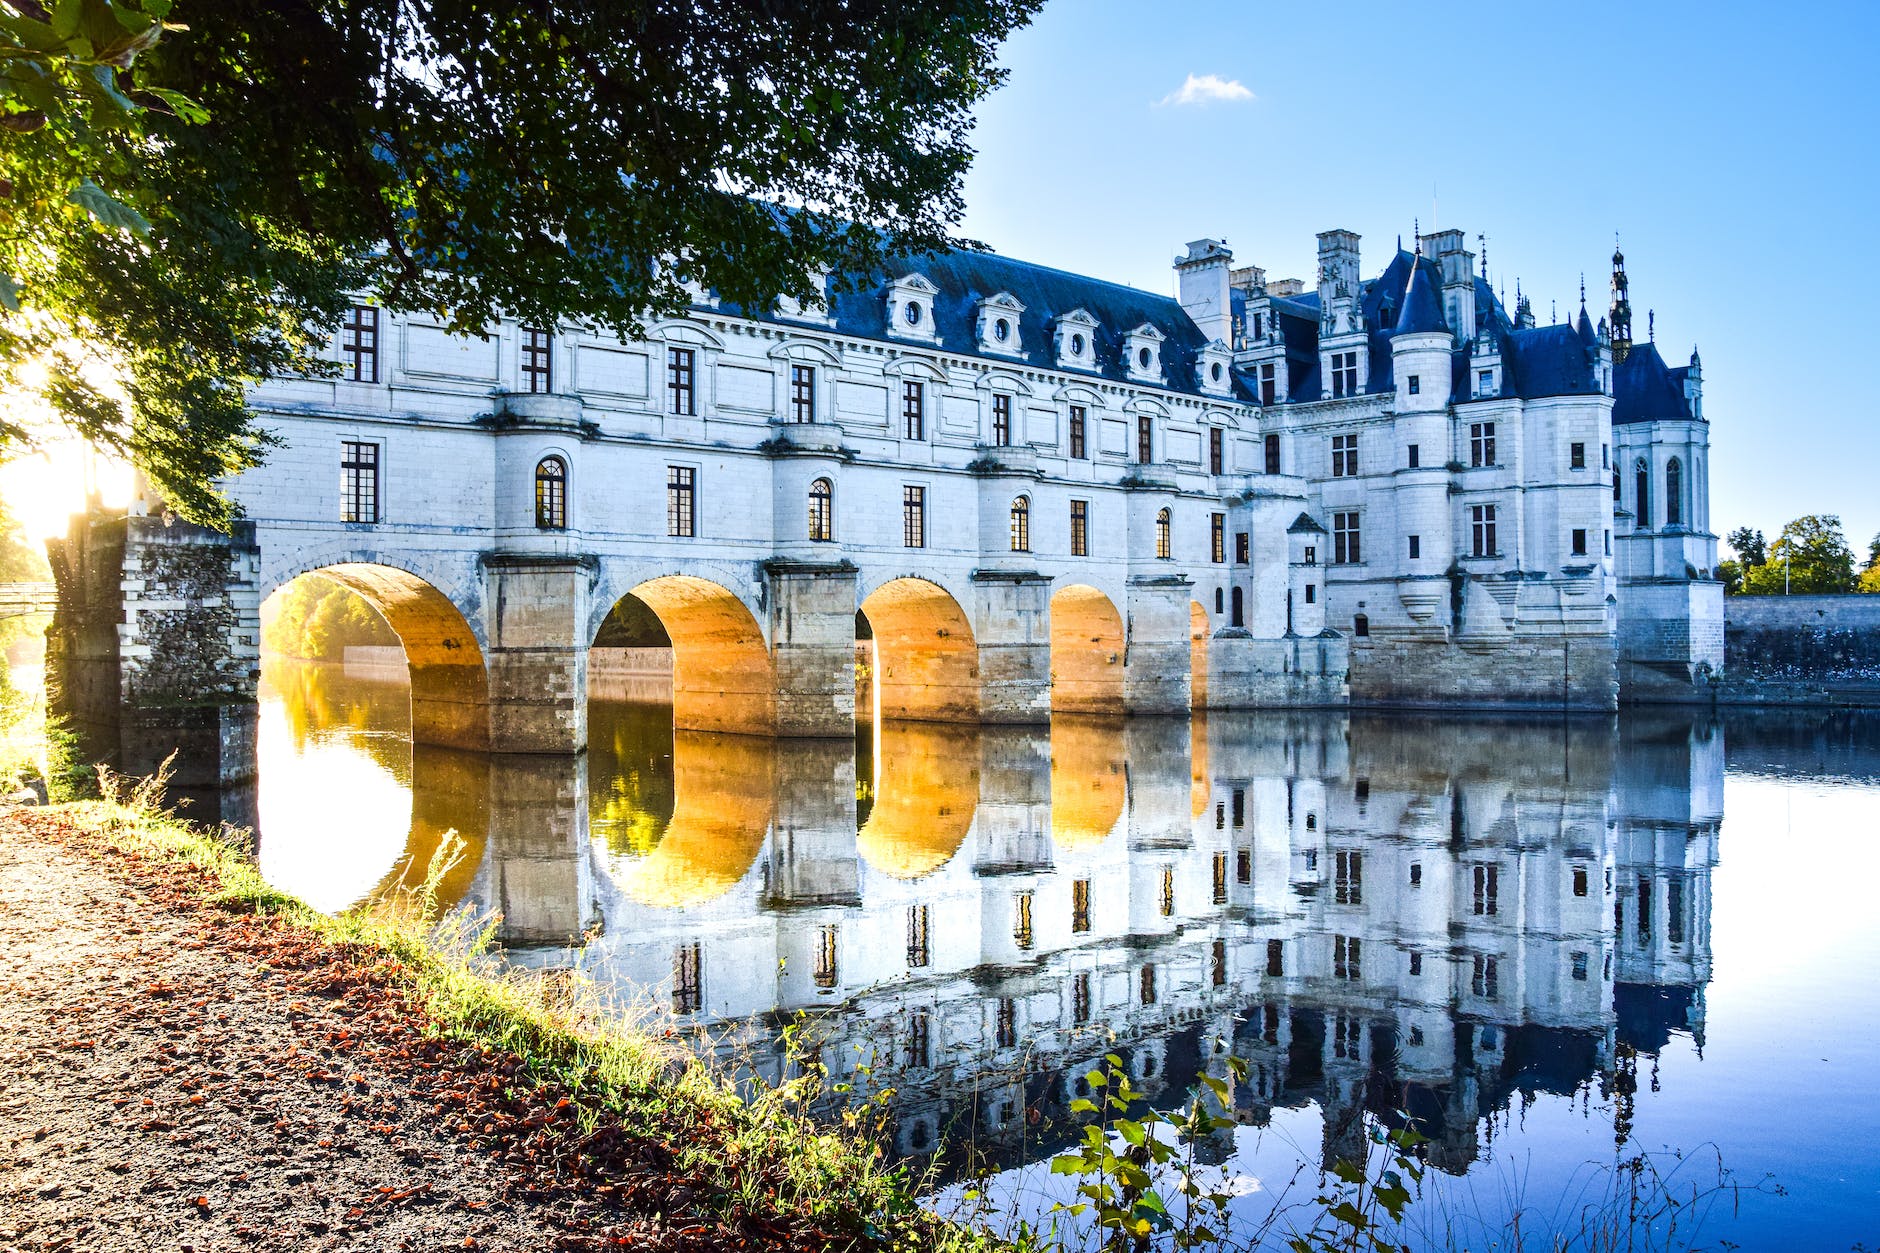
537 360
822 511
1080 528
682 381
914 517
358 481
1217 538
1344 375
1344 456
1021 525
1347 543
913 410
1644 476
1481 443
681 501
802 393
359 344
551 494
1001 419
1674 493
1145 440
1164 540
1079 419
1482 531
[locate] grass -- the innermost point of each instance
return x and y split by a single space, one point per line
766 1152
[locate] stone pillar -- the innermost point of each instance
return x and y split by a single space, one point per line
538 612
1157 657
813 853
1012 623
185 604
812 632
537 852
1014 803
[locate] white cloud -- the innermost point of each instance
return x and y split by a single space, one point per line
1206 89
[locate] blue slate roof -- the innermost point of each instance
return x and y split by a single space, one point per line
965 278
1422 308
1645 390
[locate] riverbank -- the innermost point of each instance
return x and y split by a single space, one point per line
192 1060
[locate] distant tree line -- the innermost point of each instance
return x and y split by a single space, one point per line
1810 557
317 620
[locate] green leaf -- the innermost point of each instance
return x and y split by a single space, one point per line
1350 1172
66 15
1348 1214
94 200
1131 1130
1082 1106
185 108
1069 1164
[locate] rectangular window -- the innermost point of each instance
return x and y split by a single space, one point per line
1579 541
918 951
681 381
825 973
1001 419
1605 456
1347 957
1021 920
1484 382
1416 385
1416 456
1145 440
1644 908
1275 958
1217 450
1416 965
1344 456
1312 593
1344 375
1609 543
1347 547
1220 878
1268 390
688 993
681 501
1487 885
1078 419
1481 443
1217 974
1674 910
913 410
1239 798
1272 454
1579 880
1080 906
1217 537
1485 982
919 1038
1348 877
914 517
1080 998
1579 967
1576 456
358 481
802 393
1243 865
1080 528
537 360
1243 547
1416 546
1005 1027
1482 530
1416 874
1146 985
359 344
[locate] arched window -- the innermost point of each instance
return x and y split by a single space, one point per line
551 494
1240 607
822 510
1644 502
1164 545
1021 525
1360 625
1674 493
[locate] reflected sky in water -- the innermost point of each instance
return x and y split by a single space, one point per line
1553 944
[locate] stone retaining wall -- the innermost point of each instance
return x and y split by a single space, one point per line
1802 650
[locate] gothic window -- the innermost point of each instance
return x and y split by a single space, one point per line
359 344
681 381
1481 443
551 494
913 410
1272 454
1482 530
537 360
1164 543
1644 476
1674 493
1001 419
1217 450
1077 432
681 501
1080 528
802 393
914 517
1217 537
1021 525
822 510
1220 600
1145 440
1346 539
358 481
1344 456
1605 456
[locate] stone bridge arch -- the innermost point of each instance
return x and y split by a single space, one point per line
1087 650
926 651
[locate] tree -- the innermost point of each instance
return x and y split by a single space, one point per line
1747 543
193 212
1811 556
1870 577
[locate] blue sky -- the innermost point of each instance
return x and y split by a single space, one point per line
1733 147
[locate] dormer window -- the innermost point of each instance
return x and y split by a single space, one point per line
911 307
1077 345
1211 369
998 325
912 311
1076 338
1142 353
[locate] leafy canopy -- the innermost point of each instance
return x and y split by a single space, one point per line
187 210
1812 556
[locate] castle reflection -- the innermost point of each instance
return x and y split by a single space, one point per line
1378 913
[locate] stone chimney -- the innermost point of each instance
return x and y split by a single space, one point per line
1203 274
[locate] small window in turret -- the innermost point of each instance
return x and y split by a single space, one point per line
1578 456
1416 384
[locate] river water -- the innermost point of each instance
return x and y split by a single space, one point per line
1555 946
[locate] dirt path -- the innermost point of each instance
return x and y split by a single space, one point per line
179 1077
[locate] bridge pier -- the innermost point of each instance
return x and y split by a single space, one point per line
538 615
1157 667
537 855
812 633
1012 622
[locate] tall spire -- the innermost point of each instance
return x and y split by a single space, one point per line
1620 315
